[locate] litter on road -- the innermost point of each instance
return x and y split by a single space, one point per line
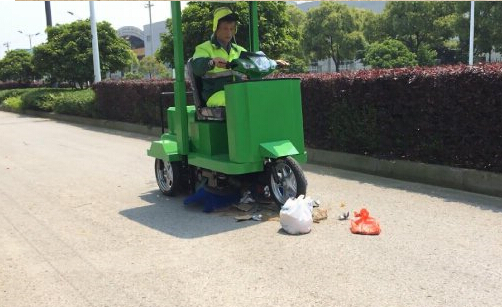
365 225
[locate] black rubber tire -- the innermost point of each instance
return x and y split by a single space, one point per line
281 190
169 183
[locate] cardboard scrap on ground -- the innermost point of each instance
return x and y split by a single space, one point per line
319 214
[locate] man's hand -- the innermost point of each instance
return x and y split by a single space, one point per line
220 62
282 63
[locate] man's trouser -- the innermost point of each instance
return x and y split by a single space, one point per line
217 99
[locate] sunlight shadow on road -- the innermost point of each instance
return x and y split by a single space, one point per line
170 216
480 201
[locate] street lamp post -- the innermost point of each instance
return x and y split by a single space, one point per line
29 35
95 47
149 6
471 35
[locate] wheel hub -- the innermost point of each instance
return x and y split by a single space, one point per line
284 184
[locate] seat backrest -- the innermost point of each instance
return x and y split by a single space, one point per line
196 83
202 111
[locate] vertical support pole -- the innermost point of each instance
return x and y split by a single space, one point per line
254 42
179 82
471 35
151 30
95 48
48 14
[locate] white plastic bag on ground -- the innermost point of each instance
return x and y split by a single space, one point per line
296 215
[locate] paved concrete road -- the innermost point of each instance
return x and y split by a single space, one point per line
83 224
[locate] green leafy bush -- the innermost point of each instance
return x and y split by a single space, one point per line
12 103
390 53
4 94
41 99
133 76
75 102
64 101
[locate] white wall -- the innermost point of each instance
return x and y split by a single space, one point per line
157 28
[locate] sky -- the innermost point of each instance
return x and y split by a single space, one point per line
29 17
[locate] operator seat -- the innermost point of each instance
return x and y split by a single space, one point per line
203 112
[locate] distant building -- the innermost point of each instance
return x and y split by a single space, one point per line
140 40
136 39
157 29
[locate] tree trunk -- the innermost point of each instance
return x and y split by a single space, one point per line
333 53
337 63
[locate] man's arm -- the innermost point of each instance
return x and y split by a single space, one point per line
202 65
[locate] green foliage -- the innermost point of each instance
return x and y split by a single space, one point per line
488 22
332 30
75 102
374 28
150 66
41 99
296 64
276 34
133 76
426 56
4 94
64 101
390 53
296 16
17 65
419 22
167 74
11 104
67 55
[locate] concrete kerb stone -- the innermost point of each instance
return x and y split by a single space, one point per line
464 179
440 175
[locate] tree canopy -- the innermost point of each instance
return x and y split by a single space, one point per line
332 31
420 25
488 22
390 53
67 55
17 65
150 66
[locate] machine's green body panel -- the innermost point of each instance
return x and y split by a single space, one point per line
208 138
221 163
264 120
261 112
166 148
277 149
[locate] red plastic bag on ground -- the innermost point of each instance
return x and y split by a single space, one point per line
365 225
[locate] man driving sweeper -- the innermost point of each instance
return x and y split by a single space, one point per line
211 57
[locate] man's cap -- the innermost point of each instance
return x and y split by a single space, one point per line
219 13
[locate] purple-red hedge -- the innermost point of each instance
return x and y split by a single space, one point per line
450 115
135 101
